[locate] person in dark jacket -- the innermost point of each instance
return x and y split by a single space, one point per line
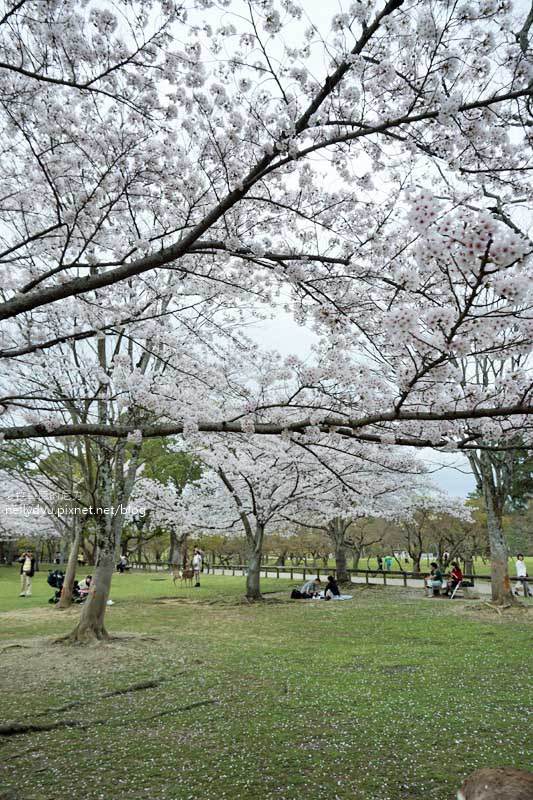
331 590
27 571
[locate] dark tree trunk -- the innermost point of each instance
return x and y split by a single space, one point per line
341 565
253 587
337 531
68 584
175 555
500 583
115 490
91 624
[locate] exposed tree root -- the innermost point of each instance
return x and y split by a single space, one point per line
13 646
136 687
17 728
500 608
86 636
188 707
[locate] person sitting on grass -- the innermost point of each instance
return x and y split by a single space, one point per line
85 585
311 588
332 590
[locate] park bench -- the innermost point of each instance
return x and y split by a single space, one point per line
463 586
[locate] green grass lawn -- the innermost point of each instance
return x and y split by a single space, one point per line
387 697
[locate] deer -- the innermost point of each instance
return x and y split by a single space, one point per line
184 575
502 783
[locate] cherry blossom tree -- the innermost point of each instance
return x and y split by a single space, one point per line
369 484
249 487
162 161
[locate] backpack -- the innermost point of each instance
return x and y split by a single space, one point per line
55 579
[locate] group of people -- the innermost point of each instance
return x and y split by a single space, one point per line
436 580
313 589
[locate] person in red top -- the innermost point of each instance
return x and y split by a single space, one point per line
456 576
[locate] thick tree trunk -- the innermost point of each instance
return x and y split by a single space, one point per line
500 583
341 565
499 570
253 588
175 555
337 530
115 488
91 624
416 563
65 601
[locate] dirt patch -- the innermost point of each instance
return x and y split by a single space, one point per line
485 612
224 602
39 613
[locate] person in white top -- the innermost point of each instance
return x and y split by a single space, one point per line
27 571
197 565
521 574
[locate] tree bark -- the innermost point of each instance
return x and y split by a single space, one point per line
469 565
253 587
500 583
65 601
341 565
337 531
175 555
118 488
91 625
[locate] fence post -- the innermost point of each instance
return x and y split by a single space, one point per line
404 578
292 574
384 578
277 572
304 573
233 571
366 576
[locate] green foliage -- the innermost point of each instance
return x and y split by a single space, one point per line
16 457
167 465
522 484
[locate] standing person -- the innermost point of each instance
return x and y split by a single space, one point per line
521 574
380 564
197 565
388 563
27 571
